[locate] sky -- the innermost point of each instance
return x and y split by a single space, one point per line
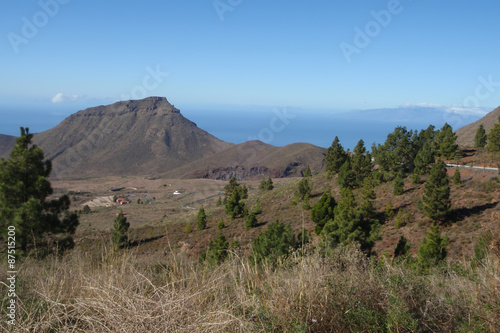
59 56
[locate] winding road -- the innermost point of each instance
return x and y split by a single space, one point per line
477 167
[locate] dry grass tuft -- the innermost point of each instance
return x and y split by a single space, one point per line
342 292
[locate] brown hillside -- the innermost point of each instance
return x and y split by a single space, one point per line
131 137
7 142
253 159
466 134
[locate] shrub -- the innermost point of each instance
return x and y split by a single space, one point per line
400 219
276 242
399 184
436 202
86 209
304 188
266 185
322 211
258 207
201 220
120 229
389 211
457 179
432 250
188 228
24 193
306 205
251 221
216 251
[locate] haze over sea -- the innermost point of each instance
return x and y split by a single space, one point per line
277 126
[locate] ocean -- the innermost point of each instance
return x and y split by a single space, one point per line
275 126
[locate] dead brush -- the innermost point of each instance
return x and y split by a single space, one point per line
309 291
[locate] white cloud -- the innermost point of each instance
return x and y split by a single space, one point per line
478 111
61 98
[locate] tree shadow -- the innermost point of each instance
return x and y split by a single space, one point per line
460 214
260 224
143 241
380 216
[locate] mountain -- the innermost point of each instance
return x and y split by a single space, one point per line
416 115
466 134
151 137
7 142
253 160
135 137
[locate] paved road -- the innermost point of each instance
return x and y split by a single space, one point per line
471 167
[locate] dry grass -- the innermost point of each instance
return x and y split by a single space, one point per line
342 292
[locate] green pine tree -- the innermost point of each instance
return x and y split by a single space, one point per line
274 243
457 178
308 172
399 184
305 203
398 152
494 138
347 177
220 225
266 185
120 230
447 142
400 220
216 251
219 202
361 162
481 138
235 186
436 202
24 203
415 178
424 159
432 250
269 184
389 210
235 207
349 224
335 157
304 188
251 221
322 211
201 219
258 208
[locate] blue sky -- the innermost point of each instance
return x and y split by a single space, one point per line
266 53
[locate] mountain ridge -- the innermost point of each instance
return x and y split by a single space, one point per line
7 142
152 137
466 134
125 138
254 160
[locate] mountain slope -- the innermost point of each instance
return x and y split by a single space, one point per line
131 137
465 135
253 159
7 142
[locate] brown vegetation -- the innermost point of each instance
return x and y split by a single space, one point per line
342 292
